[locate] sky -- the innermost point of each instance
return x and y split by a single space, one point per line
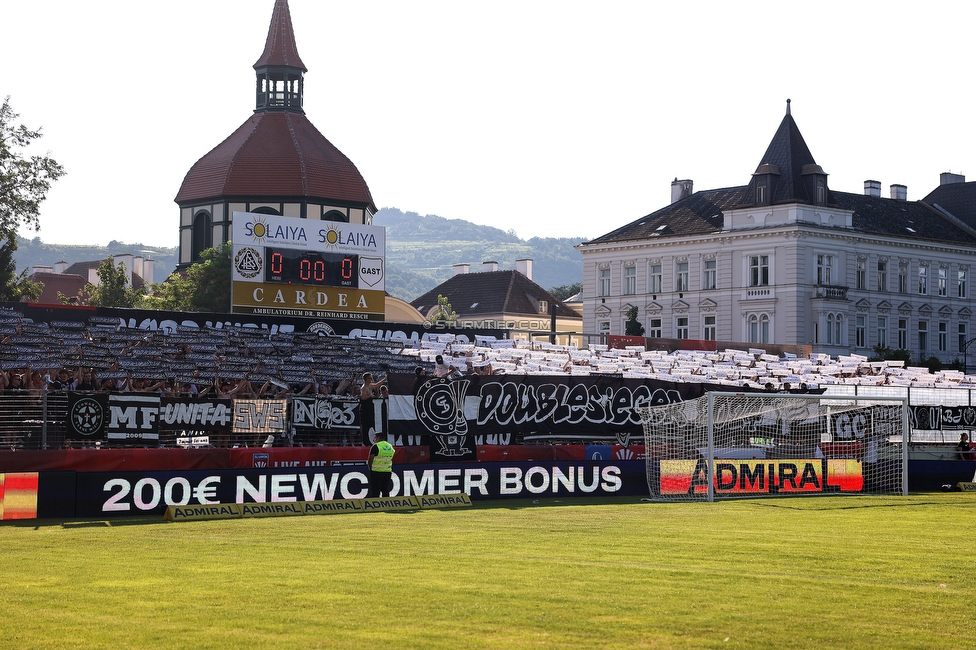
552 118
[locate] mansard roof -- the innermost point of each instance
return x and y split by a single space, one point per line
698 214
958 199
703 213
492 293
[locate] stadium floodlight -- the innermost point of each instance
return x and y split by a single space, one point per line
726 445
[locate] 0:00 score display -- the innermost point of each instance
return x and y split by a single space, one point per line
294 266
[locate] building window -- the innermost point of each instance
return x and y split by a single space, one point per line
882 275
710 276
604 327
543 306
630 280
923 280
681 327
923 335
760 194
961 283
655 280
825 265
860 330
943 336
202 234
963 337
902 333
835 329
604 289
883 331
861 276
821 193
709 328
903 279
759 328
759 270
943 282
654 331
681 277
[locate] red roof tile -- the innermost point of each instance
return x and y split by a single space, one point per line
276 154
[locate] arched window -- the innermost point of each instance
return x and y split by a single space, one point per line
266 210
759 328
835 329
202 234
335 215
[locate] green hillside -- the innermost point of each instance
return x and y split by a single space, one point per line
421 252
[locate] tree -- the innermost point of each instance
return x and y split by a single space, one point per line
205 286
633 327
566 291
112 289
24 182
442 313
14 287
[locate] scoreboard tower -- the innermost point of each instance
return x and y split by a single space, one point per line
284 266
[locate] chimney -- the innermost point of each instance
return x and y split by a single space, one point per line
126 261
524 267
947 178
460 269
41 269
60 267
489 266
148 266
680 189
137 266
899 192
872 188
93 278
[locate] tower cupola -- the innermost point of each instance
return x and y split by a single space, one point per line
280 83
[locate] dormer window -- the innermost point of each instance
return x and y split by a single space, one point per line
821 193
760 194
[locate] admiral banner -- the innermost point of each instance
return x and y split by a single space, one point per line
735 477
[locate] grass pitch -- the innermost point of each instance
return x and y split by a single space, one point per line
829 572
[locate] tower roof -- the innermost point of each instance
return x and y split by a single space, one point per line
789 159
280 48
276 154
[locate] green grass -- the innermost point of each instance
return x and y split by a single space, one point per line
830 572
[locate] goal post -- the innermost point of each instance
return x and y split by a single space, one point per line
727 445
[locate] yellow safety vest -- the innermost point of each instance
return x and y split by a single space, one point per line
383 460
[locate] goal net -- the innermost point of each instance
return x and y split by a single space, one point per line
724 445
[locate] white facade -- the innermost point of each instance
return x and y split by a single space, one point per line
790 274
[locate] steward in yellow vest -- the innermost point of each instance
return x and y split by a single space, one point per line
380 464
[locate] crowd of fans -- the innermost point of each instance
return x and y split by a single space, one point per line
246 361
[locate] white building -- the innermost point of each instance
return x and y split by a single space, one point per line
787 260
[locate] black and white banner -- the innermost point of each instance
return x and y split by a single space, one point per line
196 414
86 416
260 416
324 413
133 416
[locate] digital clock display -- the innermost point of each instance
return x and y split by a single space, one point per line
296 266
